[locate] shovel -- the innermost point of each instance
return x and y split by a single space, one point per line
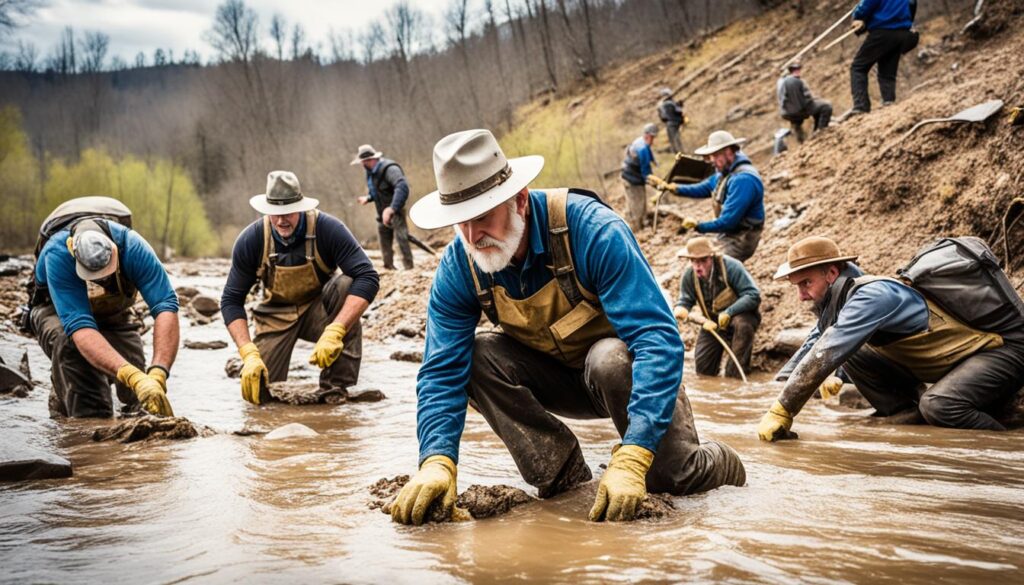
978 113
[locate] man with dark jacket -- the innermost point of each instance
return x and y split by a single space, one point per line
387 188
796 103
636 168
887 23
671 113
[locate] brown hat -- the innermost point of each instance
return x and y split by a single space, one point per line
699 247
812 251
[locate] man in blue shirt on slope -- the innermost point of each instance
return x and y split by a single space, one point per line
636 167
888 24
584 333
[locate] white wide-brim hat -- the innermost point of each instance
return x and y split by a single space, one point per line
365 152
718 140
473 177
283 196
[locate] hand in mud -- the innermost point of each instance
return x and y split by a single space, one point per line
830 387
623 485
254 376
775 424
151 396
435 479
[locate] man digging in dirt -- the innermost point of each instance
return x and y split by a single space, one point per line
796 103
295 252
736 192
892 340
88 272
729 301
585 333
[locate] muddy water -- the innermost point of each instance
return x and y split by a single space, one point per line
848 502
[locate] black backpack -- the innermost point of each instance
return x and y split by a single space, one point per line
963 276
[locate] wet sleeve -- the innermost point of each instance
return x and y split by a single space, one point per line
613 266
452 315
742 192
245 260
787 370
338 247
701 190
687 292
397 179
142 267
878 305
749 296
67 291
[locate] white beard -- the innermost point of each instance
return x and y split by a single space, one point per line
493 255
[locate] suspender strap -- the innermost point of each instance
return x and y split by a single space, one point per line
261 272
484 295
312 252
561 250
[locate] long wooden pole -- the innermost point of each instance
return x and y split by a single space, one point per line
818 39
839 40
725 345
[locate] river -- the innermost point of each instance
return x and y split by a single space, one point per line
847 503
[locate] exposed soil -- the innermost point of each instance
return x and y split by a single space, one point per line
476 503
151 428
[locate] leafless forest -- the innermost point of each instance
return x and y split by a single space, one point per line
275 99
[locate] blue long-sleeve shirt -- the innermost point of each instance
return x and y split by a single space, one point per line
608 263
139 264
748 296
744 196
885 14
885 306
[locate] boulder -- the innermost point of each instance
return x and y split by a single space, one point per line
23 463
367 396
205 306
215 344
149 428
290 431
408 356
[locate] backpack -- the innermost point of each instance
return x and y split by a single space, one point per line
71 212
963 276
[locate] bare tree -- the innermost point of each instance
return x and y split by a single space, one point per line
13 11
140 60
278 31
26 57
298 41
234 32
94 51
62 60
545 41
457 24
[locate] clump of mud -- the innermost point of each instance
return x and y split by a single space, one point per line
407 356
152 428
655 506
306 392
476 503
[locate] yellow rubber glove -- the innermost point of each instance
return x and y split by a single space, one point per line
858 25
151 396
623 485
254 372
830 387
670 187
680 313
775 423
709 325
329 346
436 478
655 181
723 320
689 223
160 375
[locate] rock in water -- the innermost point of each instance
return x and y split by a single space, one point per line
22 463
205 306
367 396
307 392
290 431
655 506
408 356
495 500
186 293
233 367
215 344
15 379
149 428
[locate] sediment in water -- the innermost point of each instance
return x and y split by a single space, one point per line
151 428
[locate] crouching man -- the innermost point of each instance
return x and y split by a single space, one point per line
584 333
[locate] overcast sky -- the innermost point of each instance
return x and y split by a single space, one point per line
145 25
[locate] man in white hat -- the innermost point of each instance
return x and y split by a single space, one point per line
89 271
736 192
295 252
584 333
636 167
671 113
892 341
387 188
728 299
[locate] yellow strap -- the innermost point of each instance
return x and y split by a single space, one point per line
261 272
311 217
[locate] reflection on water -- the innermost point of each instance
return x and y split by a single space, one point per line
848 502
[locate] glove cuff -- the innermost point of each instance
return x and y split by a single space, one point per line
442 461
632 456
163 372
126 372
247 350
779 410
337 328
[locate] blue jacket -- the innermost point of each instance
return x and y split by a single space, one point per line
609 263
637 164
139 264
885 14
744 197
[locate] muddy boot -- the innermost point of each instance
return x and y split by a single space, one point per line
573 473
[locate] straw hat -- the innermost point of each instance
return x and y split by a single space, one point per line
95 253
283 196
808 252
473 177
698 247
364 152
718 140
